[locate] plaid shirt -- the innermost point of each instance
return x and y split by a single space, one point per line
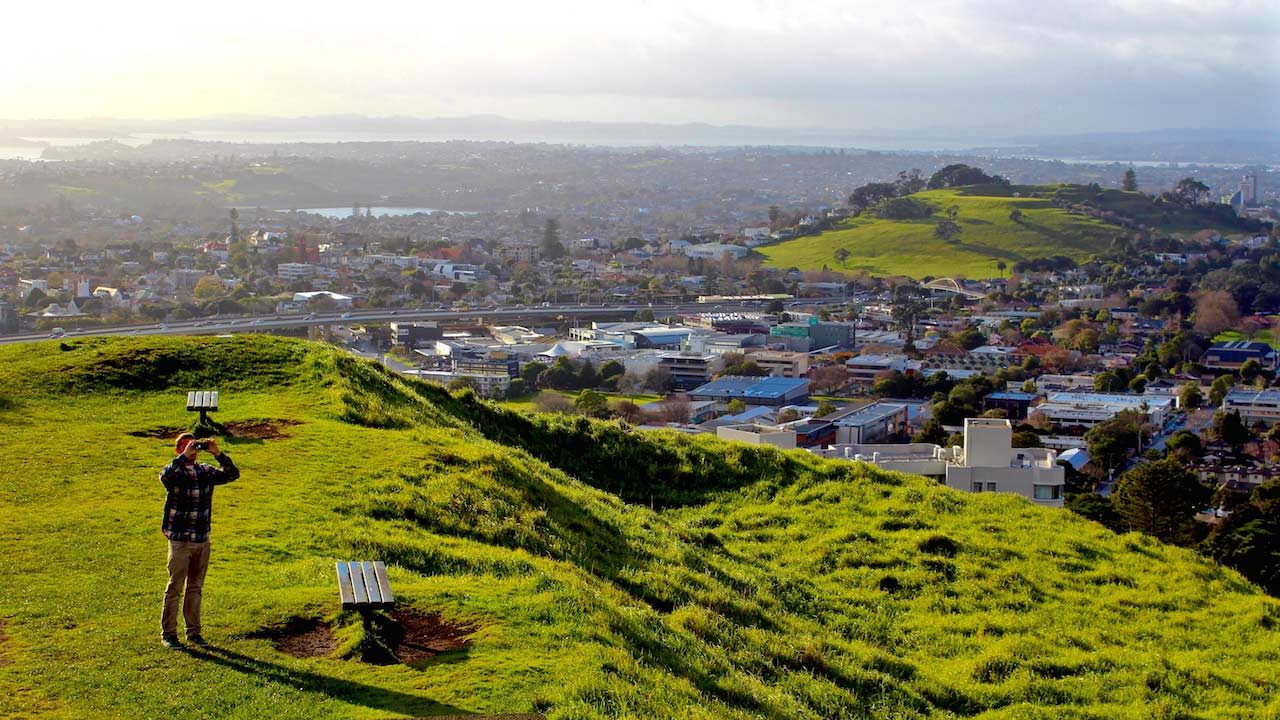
189 503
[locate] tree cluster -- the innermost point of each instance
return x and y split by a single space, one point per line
961 174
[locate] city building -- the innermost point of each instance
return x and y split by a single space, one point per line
755 434
1254 405
1087 409
811 432
688 370
1231 355
863 369
490 385
1249 189
714 251
769 391
1015 404
411 335
988 462
781 363
290 272
877 422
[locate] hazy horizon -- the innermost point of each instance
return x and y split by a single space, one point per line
999 66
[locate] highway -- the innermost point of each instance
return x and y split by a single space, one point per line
511 314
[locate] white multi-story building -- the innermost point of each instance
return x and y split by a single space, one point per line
1254 406
988 462
1088 409
756 434
295 271
863 369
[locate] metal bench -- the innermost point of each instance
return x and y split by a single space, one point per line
364 585
205 401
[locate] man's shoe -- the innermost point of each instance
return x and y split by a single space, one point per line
171 642
197 640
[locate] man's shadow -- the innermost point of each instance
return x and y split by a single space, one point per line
337 688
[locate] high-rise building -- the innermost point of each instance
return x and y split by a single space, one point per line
1249 189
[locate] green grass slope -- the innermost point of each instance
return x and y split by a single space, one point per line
607 573
908 247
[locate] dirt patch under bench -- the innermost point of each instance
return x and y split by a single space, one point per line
253 429
418 637
427 635
302 637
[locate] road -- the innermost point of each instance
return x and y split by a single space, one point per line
1196 422
215 326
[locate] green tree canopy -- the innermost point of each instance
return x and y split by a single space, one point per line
592 403
1160 499
961 174
1249 538
531 372
1219 389
1130 181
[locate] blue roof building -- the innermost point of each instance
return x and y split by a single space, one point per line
1231 355
769 391
1015 404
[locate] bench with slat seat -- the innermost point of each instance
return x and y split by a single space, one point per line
204 401
364 586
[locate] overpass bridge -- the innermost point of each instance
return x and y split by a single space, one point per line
506 315
952 285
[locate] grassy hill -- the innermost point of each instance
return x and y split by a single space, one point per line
592 571
908 247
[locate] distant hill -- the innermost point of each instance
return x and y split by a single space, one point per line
576 568
989 233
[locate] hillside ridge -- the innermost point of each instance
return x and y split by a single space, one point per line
1044 226
607 572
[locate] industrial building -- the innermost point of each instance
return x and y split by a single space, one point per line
1087 409
1254 405
768 391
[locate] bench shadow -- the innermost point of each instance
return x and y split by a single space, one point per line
336 688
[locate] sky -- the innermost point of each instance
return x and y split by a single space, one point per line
1011 65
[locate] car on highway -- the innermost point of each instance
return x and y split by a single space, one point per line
345 316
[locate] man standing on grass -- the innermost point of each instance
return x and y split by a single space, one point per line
187 509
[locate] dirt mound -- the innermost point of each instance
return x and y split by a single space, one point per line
260 429
253 429
415 637
164 433
426 635
301 637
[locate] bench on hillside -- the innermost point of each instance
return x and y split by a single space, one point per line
364 585
205 401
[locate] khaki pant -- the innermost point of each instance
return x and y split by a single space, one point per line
188 562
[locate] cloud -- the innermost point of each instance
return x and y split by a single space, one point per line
1114 64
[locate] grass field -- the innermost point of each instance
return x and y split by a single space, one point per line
908 247
604 572
1263 335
